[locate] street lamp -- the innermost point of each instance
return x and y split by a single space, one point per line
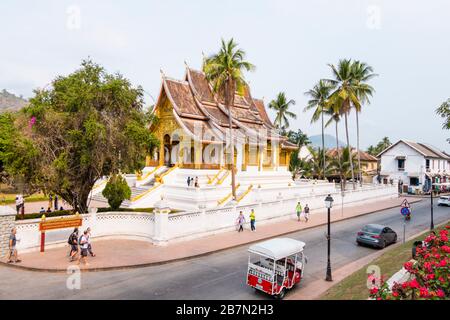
431 197
328 203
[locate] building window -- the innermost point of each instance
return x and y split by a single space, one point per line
414 181
401 164
427 164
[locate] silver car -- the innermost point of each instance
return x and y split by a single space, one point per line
444 201
376 235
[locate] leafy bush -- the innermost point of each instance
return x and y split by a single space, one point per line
59 213
116 191
429 273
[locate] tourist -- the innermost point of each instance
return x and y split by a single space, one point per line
56 202
61 208
298 210
252 220
84 244
306 210
18 205
73 242
49 210
12 247
22 205
50 200
241 221
196 182
188 181
89 242
42 210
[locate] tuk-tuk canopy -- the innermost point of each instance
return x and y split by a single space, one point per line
277 248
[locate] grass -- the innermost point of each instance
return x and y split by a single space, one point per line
9 198
354 286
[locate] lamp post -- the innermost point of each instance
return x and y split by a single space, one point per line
329 203
431 198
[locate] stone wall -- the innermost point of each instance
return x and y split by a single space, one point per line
7 222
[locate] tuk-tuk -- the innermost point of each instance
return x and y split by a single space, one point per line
276 265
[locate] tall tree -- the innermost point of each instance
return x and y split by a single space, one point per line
362 73
344 166
224 70
335 117
281 106
344 97
444 112
78 128
319 95
383 144
318 158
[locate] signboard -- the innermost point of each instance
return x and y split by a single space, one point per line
405 208
72 222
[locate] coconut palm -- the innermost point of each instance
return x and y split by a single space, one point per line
335 117
224 70
318 98
319 163
281 107
344 97
362 73
344 165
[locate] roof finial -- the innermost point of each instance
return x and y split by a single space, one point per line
186 64
162 72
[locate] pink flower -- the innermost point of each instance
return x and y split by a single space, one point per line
443 263
440 293
374 290
446 249
423 292
430 276
408 265
414 284
395 294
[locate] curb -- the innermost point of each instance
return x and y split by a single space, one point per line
157 263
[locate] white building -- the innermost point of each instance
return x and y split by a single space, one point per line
414 164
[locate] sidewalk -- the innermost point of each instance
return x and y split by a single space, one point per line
120 254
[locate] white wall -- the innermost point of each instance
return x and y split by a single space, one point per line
414 163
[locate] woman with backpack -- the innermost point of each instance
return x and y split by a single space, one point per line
73 241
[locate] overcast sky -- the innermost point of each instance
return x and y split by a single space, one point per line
290 42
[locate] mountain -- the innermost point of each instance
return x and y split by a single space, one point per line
11 102
330 141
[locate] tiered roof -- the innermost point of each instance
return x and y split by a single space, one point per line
195 105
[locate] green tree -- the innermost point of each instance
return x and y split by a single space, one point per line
298 137
344 166
296 165
116 191
444 112
87 125
335 117
319 163
344 97
319 95
224 70
362 73
382 145
281 106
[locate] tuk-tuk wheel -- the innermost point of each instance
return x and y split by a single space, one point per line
281 295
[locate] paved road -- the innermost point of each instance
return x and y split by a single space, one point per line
217 276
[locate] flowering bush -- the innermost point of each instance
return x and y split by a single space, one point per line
430 276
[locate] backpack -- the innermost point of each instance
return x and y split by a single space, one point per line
70 241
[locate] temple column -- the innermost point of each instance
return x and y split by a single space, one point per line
161 153
197 155
239 149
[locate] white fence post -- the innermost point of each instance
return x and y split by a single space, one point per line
161 226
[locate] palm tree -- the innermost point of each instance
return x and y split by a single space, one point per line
344 166
362 73
281 106
224 70
318 99
319 164
299 138
335 117
344 97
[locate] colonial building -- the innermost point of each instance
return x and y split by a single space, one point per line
414 165
193 128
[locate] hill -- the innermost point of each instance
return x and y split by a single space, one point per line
330 141
11 102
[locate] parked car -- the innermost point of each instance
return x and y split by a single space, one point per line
376 235
444 201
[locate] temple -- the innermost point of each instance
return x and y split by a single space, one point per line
194 132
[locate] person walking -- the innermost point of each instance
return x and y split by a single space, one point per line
17 204
12 247
241 221
252 220
22 205
196 182
56 202
84 244
89 242
188 181
73 242
298 210
50 200
306 210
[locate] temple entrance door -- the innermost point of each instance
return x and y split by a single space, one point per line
167 151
